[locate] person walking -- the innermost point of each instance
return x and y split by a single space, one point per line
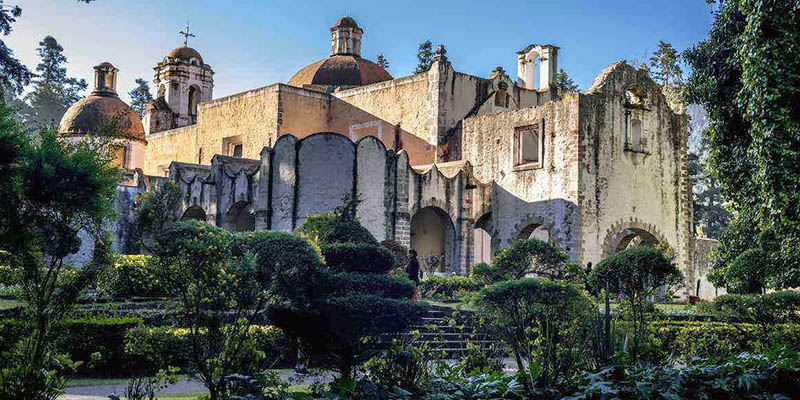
412 269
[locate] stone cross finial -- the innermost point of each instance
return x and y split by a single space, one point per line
186 34
441 53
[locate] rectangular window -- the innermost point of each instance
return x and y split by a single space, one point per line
237 150
233 146
528 146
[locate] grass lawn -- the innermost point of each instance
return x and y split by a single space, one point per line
6 304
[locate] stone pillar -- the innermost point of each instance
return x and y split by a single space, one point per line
548 67
402 216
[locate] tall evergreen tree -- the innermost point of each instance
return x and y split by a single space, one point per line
382 61
140 96
424 56
664 65
53 90
565 84
14 76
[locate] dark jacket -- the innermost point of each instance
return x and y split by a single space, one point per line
413 269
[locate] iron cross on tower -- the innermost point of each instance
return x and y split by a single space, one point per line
186 35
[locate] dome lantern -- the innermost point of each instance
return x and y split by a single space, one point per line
346 37
105 80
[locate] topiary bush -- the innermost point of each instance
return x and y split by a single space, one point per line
450 287
486 274
329 228
399 251
373 259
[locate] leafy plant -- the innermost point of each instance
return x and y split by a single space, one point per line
531 256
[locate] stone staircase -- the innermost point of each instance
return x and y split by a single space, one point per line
445 332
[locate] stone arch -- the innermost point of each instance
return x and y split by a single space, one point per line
194 212
486 239
536 227
240 218
433 236
625 234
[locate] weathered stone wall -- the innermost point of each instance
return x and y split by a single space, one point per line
299 177
645 190
521 197
178 145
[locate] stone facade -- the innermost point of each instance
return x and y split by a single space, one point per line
443 161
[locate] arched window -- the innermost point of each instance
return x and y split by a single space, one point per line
194 98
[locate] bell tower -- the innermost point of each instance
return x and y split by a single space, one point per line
182 81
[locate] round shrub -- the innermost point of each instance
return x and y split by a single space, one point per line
749 272
363 258
328 228
530 256
130 276
486 274
771 308
446 287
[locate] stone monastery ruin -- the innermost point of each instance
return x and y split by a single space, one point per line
453 165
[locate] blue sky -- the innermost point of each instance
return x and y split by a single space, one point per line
252 43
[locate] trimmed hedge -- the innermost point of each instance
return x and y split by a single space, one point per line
345 284
372 259
131 276
80 338
691 339
446 287
327 228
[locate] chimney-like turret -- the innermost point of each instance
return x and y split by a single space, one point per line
547 57
105 80
346 37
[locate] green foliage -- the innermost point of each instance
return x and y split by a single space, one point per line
565 84
424 57
485 274
131 276
544 324
153 213
450 384
53 191
773 375
636 273
140 96
403 365
745 74
399 251
14 76
531 256
763 309
750 272
328 228
145 387
353 300
53 92
9 276
220 292
372 258
348 283
446 287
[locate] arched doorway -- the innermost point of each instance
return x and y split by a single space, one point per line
433 237
241 218
194 212
631 237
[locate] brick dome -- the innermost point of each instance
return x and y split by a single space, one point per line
87 116
185 53
340 71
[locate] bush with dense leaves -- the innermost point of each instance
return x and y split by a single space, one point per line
762 309
80 338
531 256
450 287
330 228
636 273
544 323
348 283
372 259
399 251
774 375
130 276
486 274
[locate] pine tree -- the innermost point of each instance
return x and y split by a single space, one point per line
425 56
382 61
664 65
140 96
14 76
53 91
565 84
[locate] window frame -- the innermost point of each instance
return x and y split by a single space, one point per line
539 131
